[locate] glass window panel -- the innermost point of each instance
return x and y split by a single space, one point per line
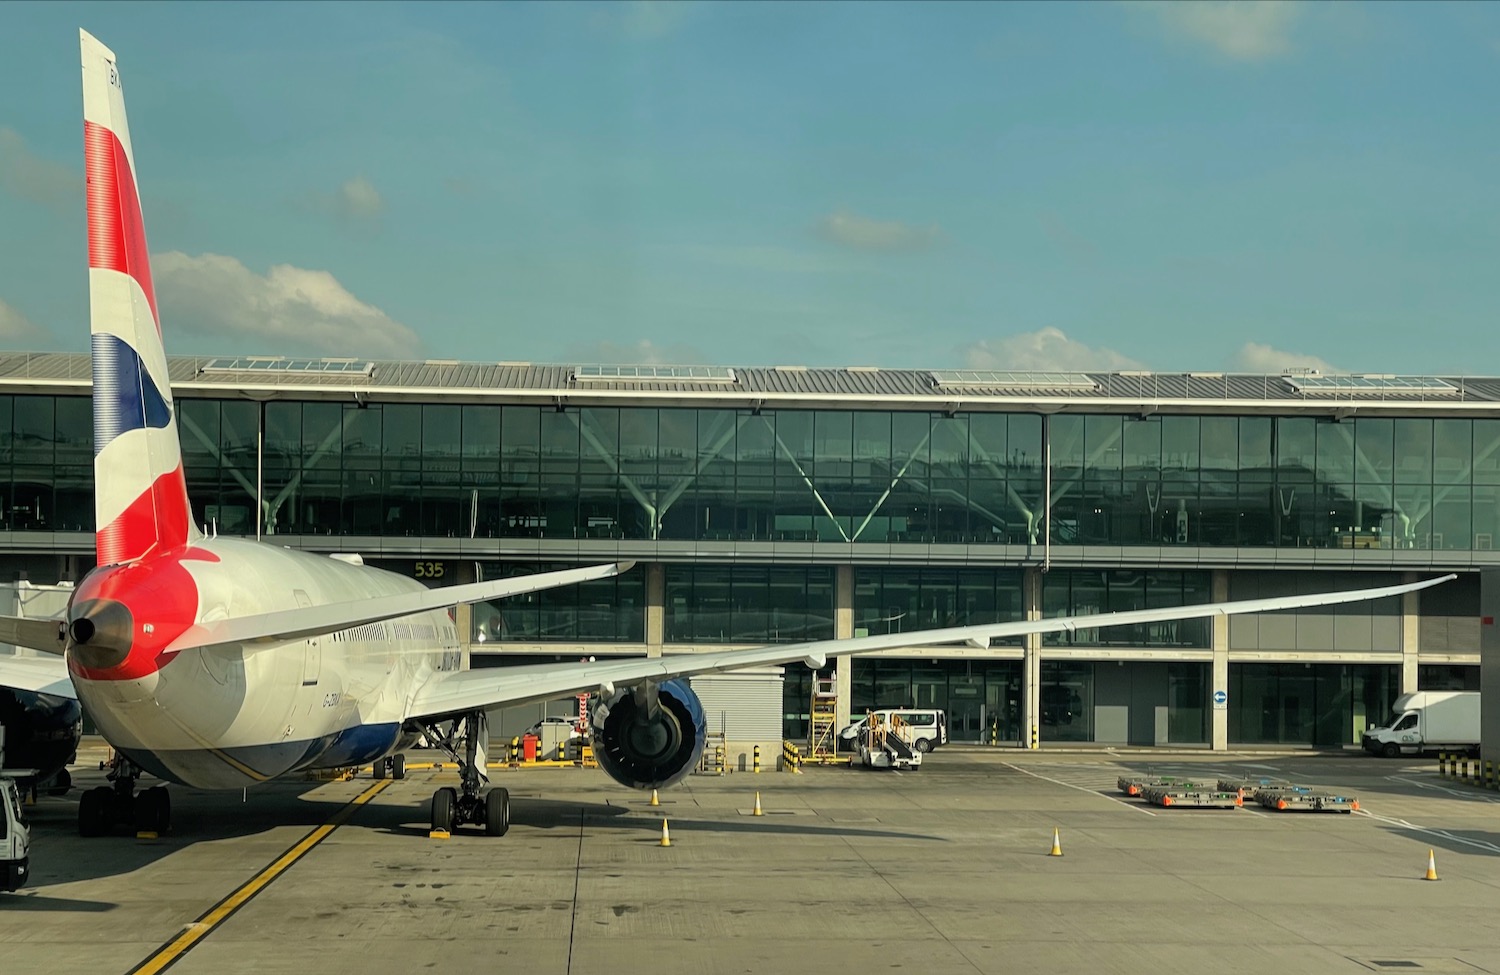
988 444
1102 437
481 438
560 441
949 447
1487 451
401 436
1335 453
283 434
1256 454
1413 451
1452 451
1374 449
1296 448
1067 699
361 437
75 430
34 431
520 439
1142 448
322 435
442 434
1221 438
1065 431
1179 444
1451 518
7 434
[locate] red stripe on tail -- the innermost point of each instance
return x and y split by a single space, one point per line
159 517
117 236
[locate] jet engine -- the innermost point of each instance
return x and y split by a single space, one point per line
650 736
41 733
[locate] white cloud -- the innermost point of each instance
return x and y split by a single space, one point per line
1043 350
288 308
642 353
1267 361
356 201
643 20
18 331
31 177
1242 30
863 233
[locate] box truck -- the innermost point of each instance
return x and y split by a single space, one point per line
1428 721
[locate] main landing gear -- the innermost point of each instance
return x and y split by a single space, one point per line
395 767
464 739
103 808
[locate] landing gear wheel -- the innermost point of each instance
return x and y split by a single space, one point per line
93 812
153 811
497 812
378 769
1391 750
924 746
61 783
442 809
398 766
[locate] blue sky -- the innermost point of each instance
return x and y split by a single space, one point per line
1108 185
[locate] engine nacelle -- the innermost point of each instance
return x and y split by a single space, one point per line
41 733
650 752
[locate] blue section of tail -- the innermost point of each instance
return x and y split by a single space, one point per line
125 398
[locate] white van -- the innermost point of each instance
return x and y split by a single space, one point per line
929 728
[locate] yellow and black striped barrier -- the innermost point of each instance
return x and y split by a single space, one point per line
791 757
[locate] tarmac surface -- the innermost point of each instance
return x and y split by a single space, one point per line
942 870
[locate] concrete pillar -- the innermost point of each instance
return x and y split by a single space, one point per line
1031 667
843 629
1411 616
656 608
1218 678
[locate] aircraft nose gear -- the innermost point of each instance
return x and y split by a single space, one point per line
466 740
394 767
103 808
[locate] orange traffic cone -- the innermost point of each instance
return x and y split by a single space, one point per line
666 837
654 800
1056 844
757 811
1431 867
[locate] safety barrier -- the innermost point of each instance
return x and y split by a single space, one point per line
791 758
1453 765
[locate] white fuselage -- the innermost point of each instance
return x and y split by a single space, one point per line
233 714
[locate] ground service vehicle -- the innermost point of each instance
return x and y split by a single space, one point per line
15 835
928 727
1428 721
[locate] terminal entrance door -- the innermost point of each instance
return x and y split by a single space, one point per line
966 712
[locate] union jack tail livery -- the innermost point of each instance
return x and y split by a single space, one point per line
140 499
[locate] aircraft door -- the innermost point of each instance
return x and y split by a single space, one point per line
312 656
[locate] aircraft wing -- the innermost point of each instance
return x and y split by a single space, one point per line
34 634
453 692
295 624
45 675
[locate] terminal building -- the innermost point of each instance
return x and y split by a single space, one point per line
785 504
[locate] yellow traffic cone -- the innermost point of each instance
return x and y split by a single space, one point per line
1056 844
757 811
654 800
666 837
1431 867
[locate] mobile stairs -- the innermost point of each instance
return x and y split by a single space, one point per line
889 746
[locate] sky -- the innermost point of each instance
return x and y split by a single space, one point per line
1113 185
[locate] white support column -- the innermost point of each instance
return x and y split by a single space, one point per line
1031 667
1411 617
843 629
656 608
1218 680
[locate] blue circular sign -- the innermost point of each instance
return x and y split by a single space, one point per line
1221 697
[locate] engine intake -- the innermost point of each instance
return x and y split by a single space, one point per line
645 746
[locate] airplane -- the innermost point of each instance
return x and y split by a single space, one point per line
42 733
221 663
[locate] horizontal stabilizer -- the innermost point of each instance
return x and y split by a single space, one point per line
452 692
44 675
297 624
33 634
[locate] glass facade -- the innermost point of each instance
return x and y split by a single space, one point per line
600 611
1306 703
895 599
748 603
489 471
982 697
1073 592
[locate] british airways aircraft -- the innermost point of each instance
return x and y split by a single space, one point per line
222 662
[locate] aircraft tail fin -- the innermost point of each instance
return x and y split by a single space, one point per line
140 497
